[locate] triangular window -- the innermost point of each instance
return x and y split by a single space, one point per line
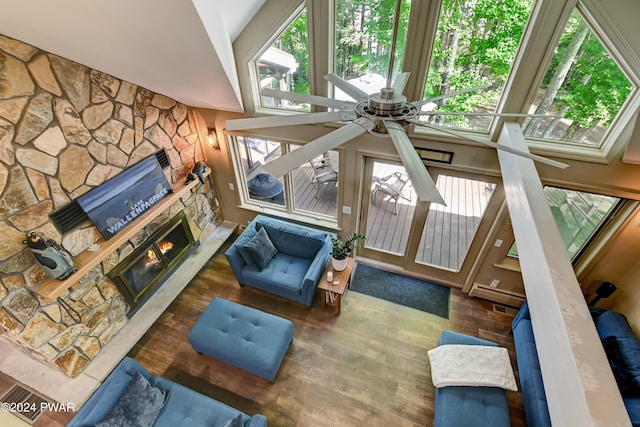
284 65
583 84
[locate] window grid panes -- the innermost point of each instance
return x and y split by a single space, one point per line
578 215
314 184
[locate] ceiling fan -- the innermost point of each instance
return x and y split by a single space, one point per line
386 113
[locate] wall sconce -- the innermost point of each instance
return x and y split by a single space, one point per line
212 138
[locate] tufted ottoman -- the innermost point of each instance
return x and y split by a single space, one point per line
470 406
243 337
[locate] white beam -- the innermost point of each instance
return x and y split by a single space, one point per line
578 382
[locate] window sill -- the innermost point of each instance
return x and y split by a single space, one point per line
309 219
509 264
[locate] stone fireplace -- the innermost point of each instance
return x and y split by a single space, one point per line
65 129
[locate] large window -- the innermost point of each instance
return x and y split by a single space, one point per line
311 190
284 65
469 46
475 45
578 215
364 30
584 84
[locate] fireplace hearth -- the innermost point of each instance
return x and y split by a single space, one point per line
144 270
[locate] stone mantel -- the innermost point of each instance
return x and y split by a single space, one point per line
50 289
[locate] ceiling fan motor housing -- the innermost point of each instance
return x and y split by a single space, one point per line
386 105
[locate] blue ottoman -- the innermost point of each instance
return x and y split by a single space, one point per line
470 406
243 337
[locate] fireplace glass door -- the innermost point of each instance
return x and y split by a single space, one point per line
142 271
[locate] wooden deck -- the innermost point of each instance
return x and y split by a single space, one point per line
326 202
448 231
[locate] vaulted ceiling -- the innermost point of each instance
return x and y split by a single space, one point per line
182 49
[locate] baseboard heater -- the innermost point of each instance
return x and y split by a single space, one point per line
501 296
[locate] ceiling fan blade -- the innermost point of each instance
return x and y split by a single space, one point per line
310 99
400 81
354 92
448 95
275 121
313 149
420 178
535 157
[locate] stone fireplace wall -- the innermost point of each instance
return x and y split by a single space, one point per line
65 129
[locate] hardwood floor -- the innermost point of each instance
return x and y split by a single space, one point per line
368 366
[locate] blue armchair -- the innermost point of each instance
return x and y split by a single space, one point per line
294 271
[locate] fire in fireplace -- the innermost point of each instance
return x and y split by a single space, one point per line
144 270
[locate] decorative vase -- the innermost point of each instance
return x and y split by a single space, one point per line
338 264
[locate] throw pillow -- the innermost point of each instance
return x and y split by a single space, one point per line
235 421
139 405
261 249
623 378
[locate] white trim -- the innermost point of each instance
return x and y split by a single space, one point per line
578 381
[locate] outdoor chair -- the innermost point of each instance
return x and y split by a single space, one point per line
323 173
391 186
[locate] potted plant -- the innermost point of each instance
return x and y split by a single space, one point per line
341 250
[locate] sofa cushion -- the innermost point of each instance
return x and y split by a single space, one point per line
261 249
293 239
234 422
535 399
242 240
471 407
286 272
139 405
611 323
623 378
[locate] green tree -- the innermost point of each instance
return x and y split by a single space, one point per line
584 83
476 42
364 31
294 41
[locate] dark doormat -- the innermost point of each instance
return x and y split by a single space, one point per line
404 290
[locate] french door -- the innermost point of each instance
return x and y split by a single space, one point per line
437 241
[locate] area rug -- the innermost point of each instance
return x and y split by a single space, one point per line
404 290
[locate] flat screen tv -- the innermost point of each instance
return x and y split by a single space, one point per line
119 201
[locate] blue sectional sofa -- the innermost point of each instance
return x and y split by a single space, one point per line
626 363
623 352
295 266
180 407
465 406
535 401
